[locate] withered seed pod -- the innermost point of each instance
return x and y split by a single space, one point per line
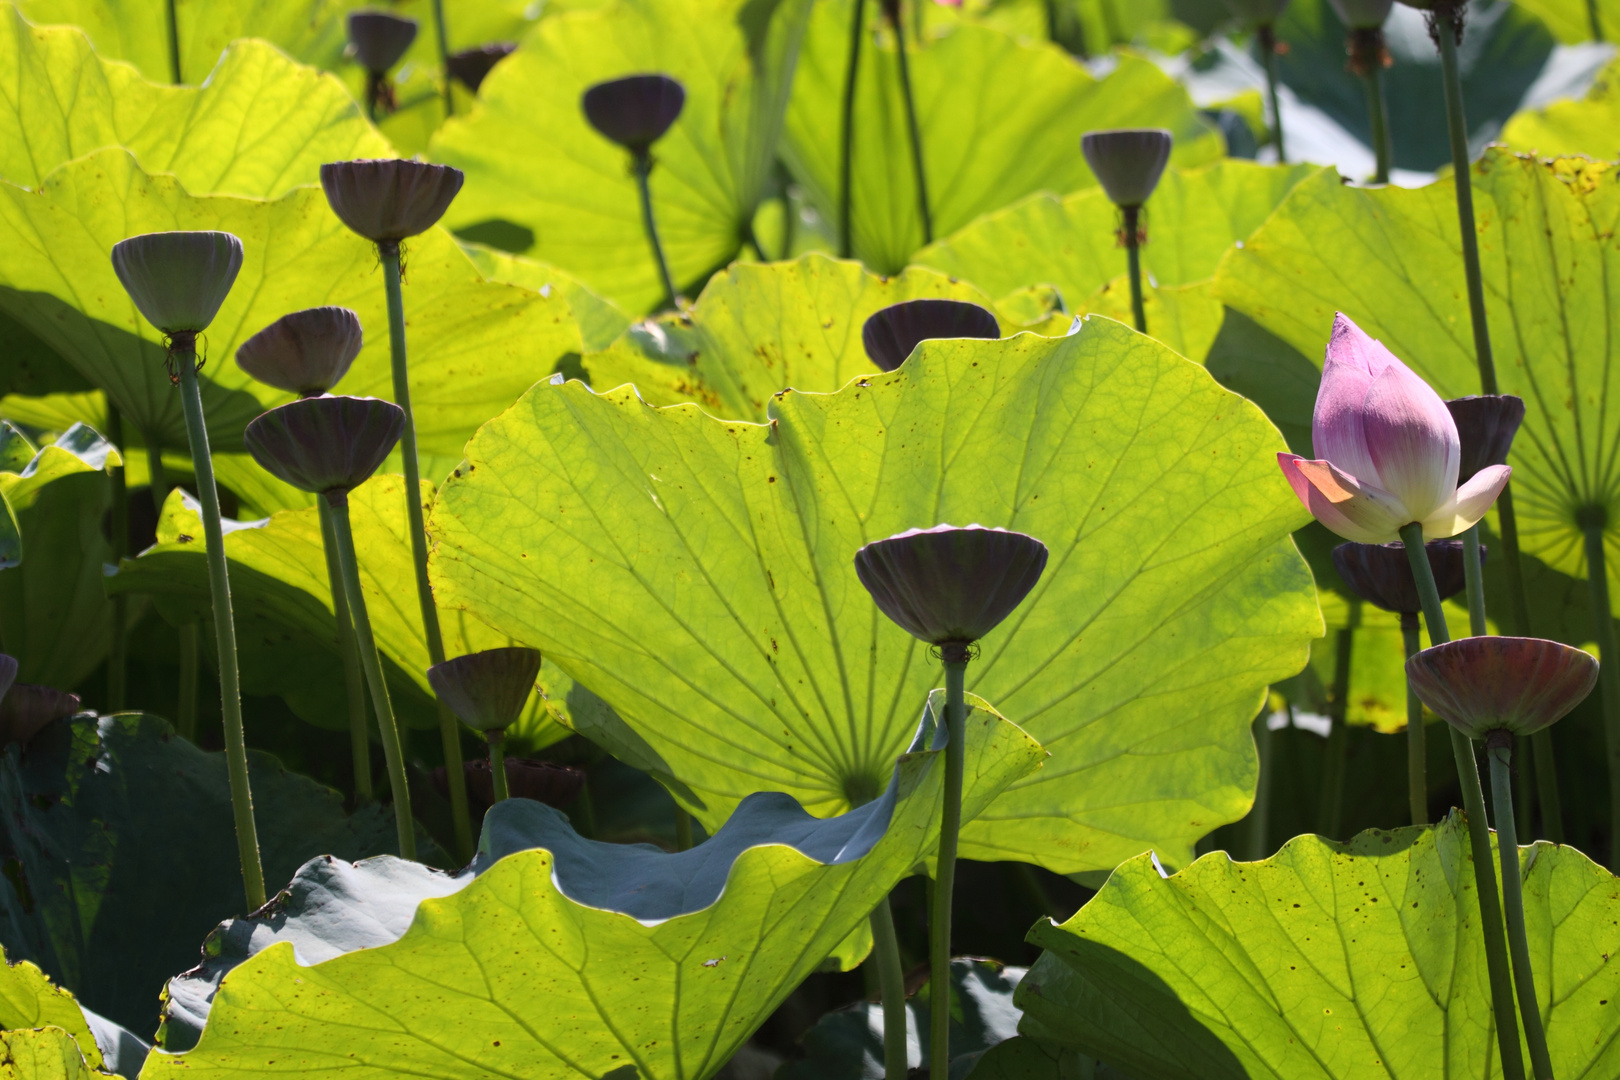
488 689
387 200
1381 574
305 352
1128 162
1490 683
380 39
890 334
949 584
26 709
178 280
634 111
325 445
1486 424
472 66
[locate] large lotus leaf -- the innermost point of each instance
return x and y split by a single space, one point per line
758 329
1570 20
1585 127
541 181
582 958
999 118
28 1000
109 820
599 321
475 345
698 575
1326 960
44 1053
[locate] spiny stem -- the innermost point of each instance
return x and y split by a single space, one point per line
353 676
449 735
118 649
846 136
393 754
642 165
1417 750
892 10
683 829
1597 580
1267 35
939 922
497 763
1331 814
1132 235
219 583
892 983
1479 832
444 56
1499 744
172 25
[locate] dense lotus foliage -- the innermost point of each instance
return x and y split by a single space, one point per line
809 539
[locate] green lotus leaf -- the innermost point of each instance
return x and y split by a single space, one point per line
11 542
1573 127
1571 23
1000 119
1327 960
1025 1059
541 182
44 1053
28 1000
599 321
1391 259
698 574
578 958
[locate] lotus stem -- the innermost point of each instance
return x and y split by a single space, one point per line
186 711
497 764
1596 19
1267 35
1592 523
1474 578
448 733
172 25
1331 814
1260 814
1499 746
1132 235
1552 809
219 583
846 148
353 677
939 923
892 984
444 56
642 165
1479 833
892 10
393 755
1417 750
1378 115
683 829
118 648
586 826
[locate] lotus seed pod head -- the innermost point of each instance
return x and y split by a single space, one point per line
1514 684
380 39
1381 574
541 781
1362 14
1486 424
488 689
471 66
634 111
950 585
891 334
1257 12
325 445
178 280
387 200
1128 162
304 353
26 709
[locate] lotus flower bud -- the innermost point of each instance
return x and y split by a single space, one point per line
380 39
8 673
26 709
1128 162
1514 684
306 352
488 689
891 334
325 445
1486 424
387 200
1262 12
950 585
1381 574
472 66
1362 14
542 781
178 280
634 111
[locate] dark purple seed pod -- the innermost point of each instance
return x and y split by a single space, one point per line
950 585
380 39
387 200
488 689
27 708
178 280
1128 162
634 111
304 353
1362 14
1382 575
1514 684
542 781
8 673
890 334
1486 424
325 445
471 66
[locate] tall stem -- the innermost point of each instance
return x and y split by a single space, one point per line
1131 233
444 55
118 647
1417 750
1499 746
1474 582
683 829
393 755
846 135
1479 832
1267 35
1552 808
349 651
219 586
642 165
449 736
190 667
939 923
892 10
172 25
1597 579
1596 19
1331 815
1378 115
892 983
497 763
1260 815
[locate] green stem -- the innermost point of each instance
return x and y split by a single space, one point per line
1597 579
939 923
219 584
1132 232
1552 809
683 829
1499 744
349 651
1378 115
118 648
1596 19
1474 579
1331 814
186 713
449 735
1260 815
393 755
846 136
1268 52
158 479
917 169
586 825
444 55
892 982
497 764
1479 833
642 165
1417 750
172 26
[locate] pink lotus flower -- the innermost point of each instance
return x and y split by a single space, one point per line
1389 450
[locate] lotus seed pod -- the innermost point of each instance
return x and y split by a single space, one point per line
387 200
634 111
891 334
1362 14
8 673
325 445
1514 684
306 352
472 66
26 709
1128 162
1381 574
1486 424
178 280
488 689
380 39
542 781
950 585
1257 12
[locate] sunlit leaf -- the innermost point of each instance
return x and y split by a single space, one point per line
45 1053
1587 126
599 321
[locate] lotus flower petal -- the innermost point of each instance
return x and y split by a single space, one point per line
1470 503
949 584
1338 500
487 689
1381 574
325 445
1412 441
1483 684
1353 361
890 334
